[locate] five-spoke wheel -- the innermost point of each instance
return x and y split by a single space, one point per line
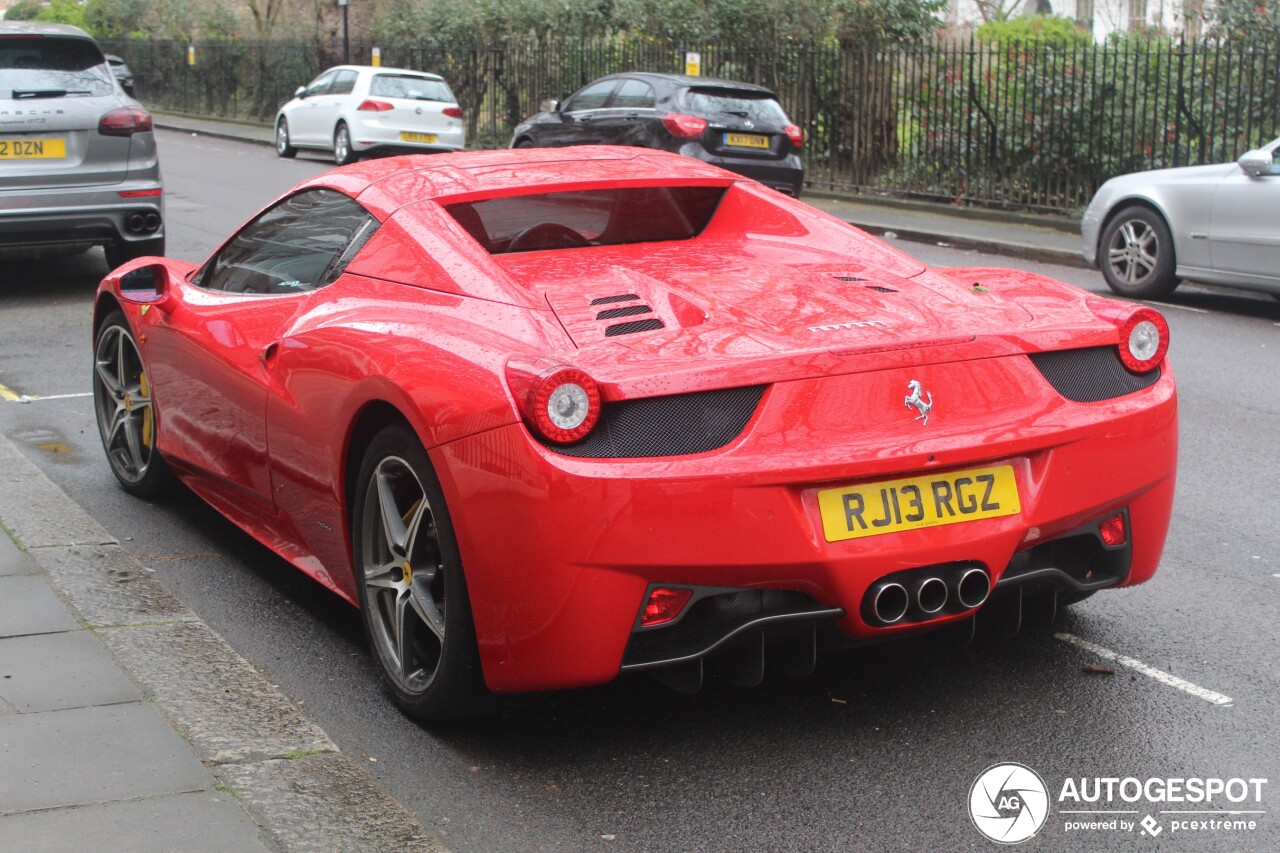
412 591
1137 254
125 412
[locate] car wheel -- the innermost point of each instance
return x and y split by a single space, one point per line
1137 254
413 595
342 153
525 143
122 252
283 148
125 410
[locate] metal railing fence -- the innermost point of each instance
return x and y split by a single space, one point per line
1029 126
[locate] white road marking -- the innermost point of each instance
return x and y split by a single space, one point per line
1149 671
10 396
1182 307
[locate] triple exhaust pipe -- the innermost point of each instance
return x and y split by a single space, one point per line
925 593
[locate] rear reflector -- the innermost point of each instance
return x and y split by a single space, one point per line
664 605
140 193
1112 530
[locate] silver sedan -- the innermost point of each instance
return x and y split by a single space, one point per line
1214 224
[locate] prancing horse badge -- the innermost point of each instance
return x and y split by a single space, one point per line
917 399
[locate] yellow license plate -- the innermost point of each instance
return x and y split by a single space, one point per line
852 512
406 136
746 140
33 149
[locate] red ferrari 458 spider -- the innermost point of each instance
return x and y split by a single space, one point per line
551 415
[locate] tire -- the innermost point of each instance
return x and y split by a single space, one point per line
125 410
419 629
1136 254
525 143
342 152
120 253
283 148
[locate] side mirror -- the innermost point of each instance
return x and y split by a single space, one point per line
549 105
147 285
1256 163
300 92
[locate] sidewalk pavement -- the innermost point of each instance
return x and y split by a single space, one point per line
127 724
1053 239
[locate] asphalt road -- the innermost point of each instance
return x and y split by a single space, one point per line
876 751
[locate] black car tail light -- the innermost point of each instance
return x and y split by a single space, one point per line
795 134
683 126
125 121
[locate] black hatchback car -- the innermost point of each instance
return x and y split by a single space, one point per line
737 126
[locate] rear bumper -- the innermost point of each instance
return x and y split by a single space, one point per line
560 553
81 216
785 175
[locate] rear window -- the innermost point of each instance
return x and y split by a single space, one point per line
410 87
52 67
703 102
603 217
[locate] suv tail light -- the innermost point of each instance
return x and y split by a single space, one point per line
684 127
125 121
369 105
795 134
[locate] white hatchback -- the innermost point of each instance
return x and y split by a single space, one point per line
355 109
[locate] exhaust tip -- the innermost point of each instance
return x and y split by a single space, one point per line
151 222
889 603
973 588
931 595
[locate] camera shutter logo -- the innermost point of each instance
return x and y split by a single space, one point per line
1008 803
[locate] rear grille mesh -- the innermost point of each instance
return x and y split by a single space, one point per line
1091 375
673 425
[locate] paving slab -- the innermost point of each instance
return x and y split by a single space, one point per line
198 822
28 606
91 755
52 672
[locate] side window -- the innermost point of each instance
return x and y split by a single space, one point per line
320 85
592 97
302 243
343 82
633 95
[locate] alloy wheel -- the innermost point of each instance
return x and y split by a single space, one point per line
403 574
122 398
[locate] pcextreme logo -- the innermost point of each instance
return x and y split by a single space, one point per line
1010 803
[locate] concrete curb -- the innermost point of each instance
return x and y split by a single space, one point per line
291 779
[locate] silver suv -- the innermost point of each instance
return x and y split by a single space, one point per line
78 163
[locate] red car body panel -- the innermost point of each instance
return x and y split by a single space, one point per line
258 406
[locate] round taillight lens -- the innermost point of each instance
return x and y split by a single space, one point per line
1144 340
685 127
565 405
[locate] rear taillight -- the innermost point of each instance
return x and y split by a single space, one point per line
795 134
452 112
125 121
371 106
1144 339
685 127
1144 333
559 403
